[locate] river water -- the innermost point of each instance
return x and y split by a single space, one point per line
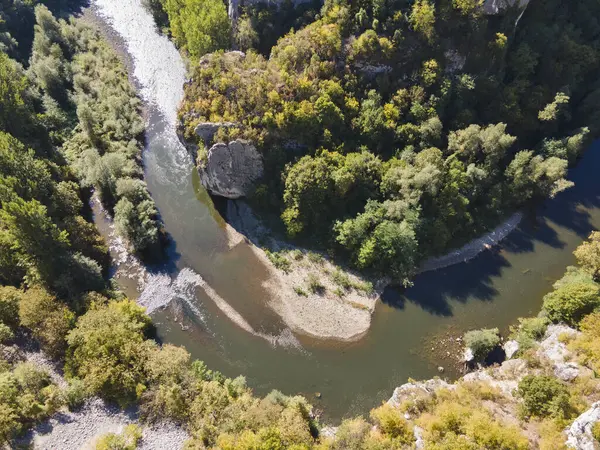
205 283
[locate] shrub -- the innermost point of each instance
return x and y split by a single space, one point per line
75 394
279 260
351 434
127 440
48 319
482 342
570 302
543 396
314 284
390 421
587 345
588 255
9 306
6 334
596 431
529 331
315 258
341 279
108 350
299 291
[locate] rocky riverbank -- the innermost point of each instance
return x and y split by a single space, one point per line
495 389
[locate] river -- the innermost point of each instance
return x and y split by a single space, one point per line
412 332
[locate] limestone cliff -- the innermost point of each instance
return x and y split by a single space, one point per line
231 170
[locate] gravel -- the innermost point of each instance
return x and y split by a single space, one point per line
68 430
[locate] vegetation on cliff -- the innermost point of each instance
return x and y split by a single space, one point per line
392 131
53 292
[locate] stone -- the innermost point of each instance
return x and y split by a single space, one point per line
468 355
579 434
206 130
510 348
231 170
409 391
551 348
567 371
440 369
418 434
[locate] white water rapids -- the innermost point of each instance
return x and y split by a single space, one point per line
160 74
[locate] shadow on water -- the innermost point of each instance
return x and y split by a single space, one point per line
434 291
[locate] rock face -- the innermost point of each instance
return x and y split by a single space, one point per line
231 170
207 130
496 6
579 434
510 348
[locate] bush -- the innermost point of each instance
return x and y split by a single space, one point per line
9 306
529 331
390 421
482 342
75 394
48 319
570 302
596 431
127 440
588 255
587 345
279 260
314 284
544 396
108 350
6 334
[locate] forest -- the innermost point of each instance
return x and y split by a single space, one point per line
384 169
396 130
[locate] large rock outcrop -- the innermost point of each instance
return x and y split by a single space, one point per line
231 170
579 434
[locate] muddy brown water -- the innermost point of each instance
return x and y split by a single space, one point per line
411 331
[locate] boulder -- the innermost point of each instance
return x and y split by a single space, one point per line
414 390
468 356
510 348
418 434
231 170
566 371
551 346
579 434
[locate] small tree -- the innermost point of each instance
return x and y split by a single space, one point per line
544 396
588 255
482 342
570 302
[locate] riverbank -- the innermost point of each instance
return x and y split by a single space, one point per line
314 296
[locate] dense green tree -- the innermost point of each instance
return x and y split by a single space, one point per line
544 396
571 301
588 255
199 26
107 350
47 318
